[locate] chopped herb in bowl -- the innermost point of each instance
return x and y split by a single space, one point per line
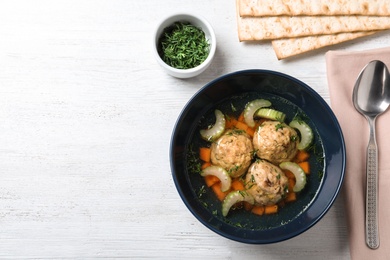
184 46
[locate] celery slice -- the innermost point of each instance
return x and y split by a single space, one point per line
221 174
233 198
306 133
300 176
270 113
217 129
251 108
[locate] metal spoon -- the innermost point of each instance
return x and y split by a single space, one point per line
371 97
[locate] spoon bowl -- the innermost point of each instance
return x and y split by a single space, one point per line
371 98
371 95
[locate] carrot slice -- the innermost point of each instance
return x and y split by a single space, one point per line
289 174
210 180
250 131
291 179
205 165
241 118
291 196
258 210
205 154
305 166
301 156
217 190
271 209
230 122
247 206
241 126
291 184
234 123
237 185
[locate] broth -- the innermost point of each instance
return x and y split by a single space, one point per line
233 107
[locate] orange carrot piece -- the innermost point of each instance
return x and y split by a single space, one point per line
289 174
291 184
205 154
247 206
271 209
237 185
241 118
291 196
210 180
305 166
258 210
291 179
217 190
241 126
301 156
230 123
205 165
250 131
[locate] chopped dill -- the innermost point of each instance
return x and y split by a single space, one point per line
254 153
193 163
238 224
300 117
279 126
294 138
234 109
201 191
234 169
228 118
236 131
320 174
184 46
242 193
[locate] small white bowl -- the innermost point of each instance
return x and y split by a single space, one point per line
197 21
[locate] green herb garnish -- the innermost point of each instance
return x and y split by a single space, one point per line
254 153
234 169
235 132
193 163
294 138
279 126
184 46
234 109
201 191
300 117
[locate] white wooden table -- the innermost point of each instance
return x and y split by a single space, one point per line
86 116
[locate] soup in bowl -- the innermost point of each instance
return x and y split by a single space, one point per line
257 156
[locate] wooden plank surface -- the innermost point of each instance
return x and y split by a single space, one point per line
86 116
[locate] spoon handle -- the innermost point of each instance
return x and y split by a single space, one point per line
372 231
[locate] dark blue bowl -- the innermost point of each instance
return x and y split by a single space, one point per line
289 95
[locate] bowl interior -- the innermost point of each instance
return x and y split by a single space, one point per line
290 96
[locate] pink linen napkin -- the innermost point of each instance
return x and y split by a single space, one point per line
343 69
